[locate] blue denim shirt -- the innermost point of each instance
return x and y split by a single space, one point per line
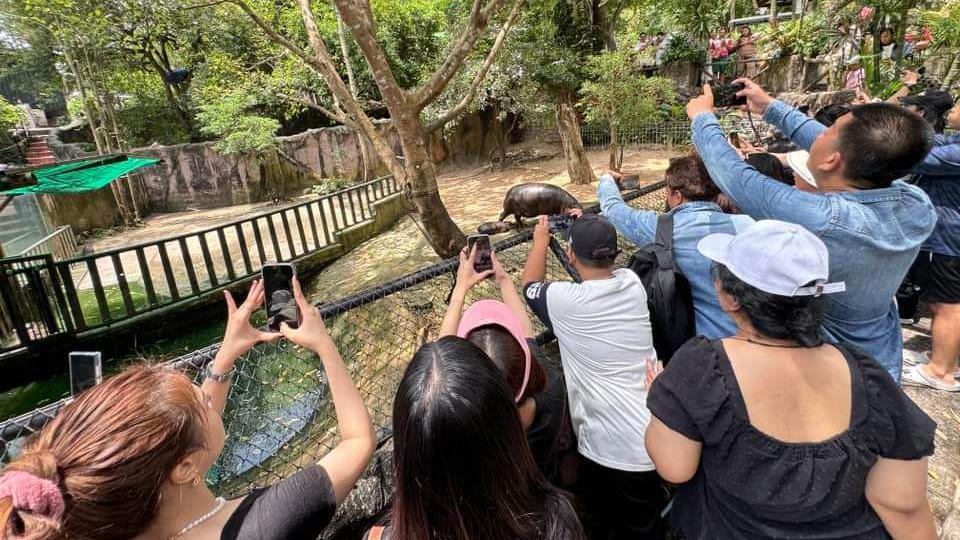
872 236
691 222
939 176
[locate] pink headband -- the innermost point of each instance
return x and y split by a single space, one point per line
491 312
32 494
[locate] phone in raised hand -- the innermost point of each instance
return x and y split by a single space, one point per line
278 296
481 260
86 371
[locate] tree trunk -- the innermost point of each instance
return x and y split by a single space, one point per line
953 72
442 233
614 148
348 64
568 124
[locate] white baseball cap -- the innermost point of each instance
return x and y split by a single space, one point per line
774 256
797 160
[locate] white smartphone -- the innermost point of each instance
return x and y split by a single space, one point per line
86 371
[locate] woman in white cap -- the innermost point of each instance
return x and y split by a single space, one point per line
776 432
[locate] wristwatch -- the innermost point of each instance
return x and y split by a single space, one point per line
219 377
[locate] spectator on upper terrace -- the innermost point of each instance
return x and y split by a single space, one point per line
775 432
690 200
129 458
462 466
872 223
504 332
603 328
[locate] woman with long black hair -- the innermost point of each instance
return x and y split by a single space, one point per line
462 466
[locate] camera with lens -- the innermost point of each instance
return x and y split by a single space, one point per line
725 95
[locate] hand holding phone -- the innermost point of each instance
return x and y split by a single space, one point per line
478 245
278 293
240 336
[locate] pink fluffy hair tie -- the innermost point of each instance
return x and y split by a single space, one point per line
32 494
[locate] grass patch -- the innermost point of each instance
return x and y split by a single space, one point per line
115 306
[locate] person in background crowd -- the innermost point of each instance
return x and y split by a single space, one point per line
796 160
128 458
718 52
603 328
462 466
933 105
890 50
770 166
642 43
504 332
937 269
775 432
663 43
690 199
872 223
746 49
855 75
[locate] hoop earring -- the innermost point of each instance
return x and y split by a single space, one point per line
196 478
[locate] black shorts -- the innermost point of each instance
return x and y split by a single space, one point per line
938 277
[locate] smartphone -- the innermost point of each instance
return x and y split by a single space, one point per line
734 139
482 261
278 296
86 371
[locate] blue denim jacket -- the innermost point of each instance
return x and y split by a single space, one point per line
939 176
872 236
691 222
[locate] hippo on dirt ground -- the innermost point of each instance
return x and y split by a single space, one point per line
536 199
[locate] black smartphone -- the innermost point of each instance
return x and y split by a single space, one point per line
482 261
278 296
86 371
734 139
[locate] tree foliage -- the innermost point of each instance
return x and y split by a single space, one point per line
617 93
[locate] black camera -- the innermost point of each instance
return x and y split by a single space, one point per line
560 222
725 95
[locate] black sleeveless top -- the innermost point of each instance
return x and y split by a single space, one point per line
750 485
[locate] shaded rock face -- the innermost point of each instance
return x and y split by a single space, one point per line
197 176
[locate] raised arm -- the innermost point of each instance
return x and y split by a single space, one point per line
943 159
511 298
238 338
639 226
757 195
467 277
347 461
897 491
536 267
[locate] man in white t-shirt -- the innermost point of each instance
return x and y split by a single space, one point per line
603 328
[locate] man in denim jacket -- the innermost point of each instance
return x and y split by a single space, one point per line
690 198
873 225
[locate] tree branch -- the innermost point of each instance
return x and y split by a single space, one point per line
479 18
460 107
310 104
357 16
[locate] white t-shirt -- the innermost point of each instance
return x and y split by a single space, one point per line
603 328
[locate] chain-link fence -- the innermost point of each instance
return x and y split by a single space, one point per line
279 418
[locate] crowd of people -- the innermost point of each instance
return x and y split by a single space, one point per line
782 418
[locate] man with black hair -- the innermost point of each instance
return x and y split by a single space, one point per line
873 224
603 328
691 199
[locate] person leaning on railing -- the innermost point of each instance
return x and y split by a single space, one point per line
128 458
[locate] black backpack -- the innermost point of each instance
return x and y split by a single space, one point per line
668 292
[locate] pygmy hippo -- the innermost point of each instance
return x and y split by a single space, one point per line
536 199
495 227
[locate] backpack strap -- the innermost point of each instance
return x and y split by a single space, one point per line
375 533
664 239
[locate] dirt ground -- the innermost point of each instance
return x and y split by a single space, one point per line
472 196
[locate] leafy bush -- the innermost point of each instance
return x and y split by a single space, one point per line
617 93
241 130
10 115
682 48
329 185
810 36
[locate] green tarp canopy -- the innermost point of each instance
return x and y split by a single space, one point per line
81 176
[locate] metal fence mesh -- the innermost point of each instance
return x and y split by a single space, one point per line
279 418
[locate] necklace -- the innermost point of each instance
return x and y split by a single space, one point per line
220 502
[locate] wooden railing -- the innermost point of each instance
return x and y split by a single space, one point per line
103 288
61 244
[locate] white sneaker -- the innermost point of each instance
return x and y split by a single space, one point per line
916 358
917 376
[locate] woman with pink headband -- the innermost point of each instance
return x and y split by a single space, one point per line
504 332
